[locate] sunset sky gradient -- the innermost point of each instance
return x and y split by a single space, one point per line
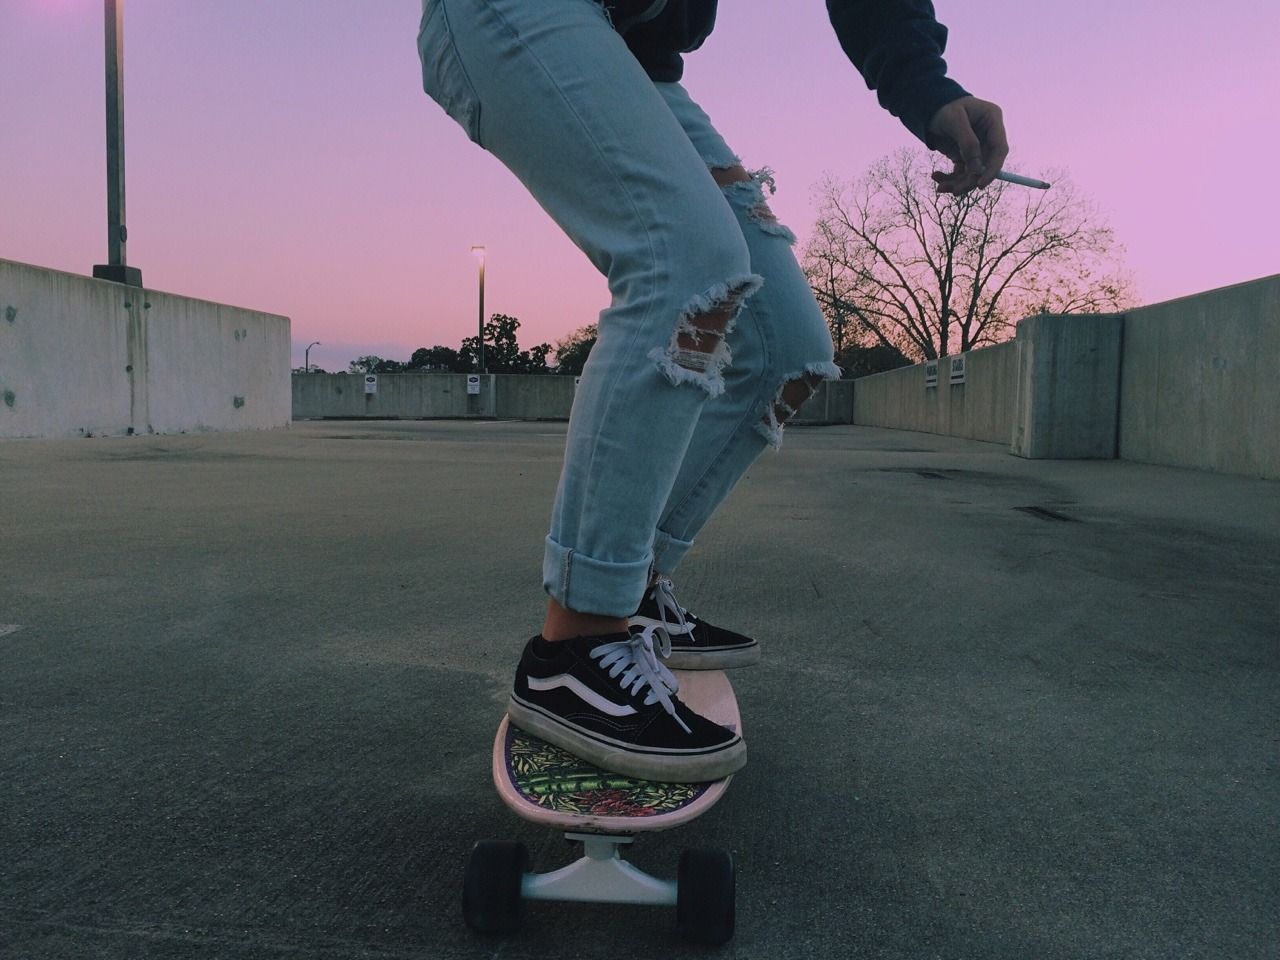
281 155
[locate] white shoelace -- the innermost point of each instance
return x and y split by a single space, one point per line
664 594
635 660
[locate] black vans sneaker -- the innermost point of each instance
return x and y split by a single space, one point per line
695 643
608 700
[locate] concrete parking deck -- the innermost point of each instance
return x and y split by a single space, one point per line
1008 708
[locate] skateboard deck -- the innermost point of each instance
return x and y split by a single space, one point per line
602 811
550 786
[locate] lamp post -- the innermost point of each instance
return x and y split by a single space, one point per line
478 251
117 235
307 355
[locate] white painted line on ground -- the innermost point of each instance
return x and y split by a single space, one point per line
8 628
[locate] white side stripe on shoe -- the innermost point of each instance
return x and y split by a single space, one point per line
583 692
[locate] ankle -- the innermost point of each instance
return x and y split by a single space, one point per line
562 623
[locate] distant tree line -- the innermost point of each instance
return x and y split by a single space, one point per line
502 354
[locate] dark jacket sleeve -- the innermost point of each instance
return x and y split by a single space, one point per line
897 46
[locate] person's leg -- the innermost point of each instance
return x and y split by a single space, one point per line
781 349
564 105
552 91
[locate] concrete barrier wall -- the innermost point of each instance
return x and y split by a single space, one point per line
1200 381
533 397
502 396
1067 393
80 357
1197 388
981 408
398 396
1194 384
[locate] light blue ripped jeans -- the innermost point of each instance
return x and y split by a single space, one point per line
669 414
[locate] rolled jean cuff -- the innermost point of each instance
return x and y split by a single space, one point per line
668 551
584 584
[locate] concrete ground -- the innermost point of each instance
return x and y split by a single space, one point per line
248 684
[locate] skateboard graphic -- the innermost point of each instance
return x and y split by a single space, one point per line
603 811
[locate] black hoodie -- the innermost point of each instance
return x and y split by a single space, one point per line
896 45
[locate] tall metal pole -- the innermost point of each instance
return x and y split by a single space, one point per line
116 268
117 234
482 314
478 251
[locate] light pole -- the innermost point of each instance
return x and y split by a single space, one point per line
117 235
307 362
478 251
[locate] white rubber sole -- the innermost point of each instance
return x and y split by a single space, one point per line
671 766
713 659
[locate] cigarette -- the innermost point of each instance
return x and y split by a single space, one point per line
1024 181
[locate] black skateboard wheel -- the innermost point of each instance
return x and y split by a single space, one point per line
491 901
705 896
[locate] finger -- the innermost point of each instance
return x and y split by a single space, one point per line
994 166
945 182
970 166
997 151
942 176
957 181
950 185
960 180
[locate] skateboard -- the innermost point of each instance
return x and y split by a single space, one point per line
603 812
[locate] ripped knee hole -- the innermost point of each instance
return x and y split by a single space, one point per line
727 176
792 396
697 351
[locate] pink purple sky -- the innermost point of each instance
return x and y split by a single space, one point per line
282 156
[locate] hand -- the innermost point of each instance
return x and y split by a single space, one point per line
971 133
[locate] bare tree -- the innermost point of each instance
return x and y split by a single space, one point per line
895 264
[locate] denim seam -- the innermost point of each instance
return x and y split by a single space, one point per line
475 97
565 567
589 482
746 422
713 162
668 539
767 348
590 476
744 428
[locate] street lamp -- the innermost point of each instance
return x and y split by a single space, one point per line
478 252
307 355
115 268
